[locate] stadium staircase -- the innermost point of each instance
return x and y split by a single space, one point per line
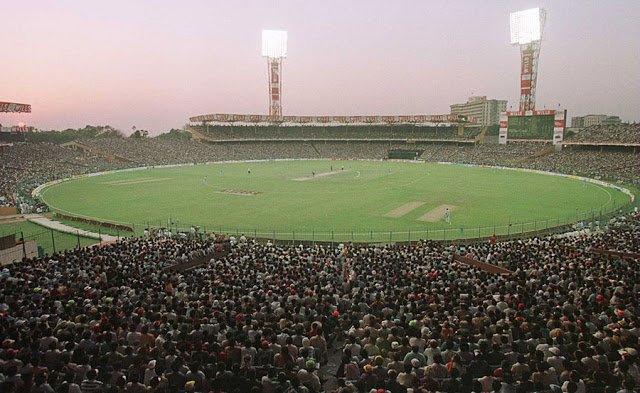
429 154
316 149
106 130
480 137
221 250
484 266
199 136
74 163
544 152
96 152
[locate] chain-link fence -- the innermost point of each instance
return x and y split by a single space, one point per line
48 241
39 243
591 219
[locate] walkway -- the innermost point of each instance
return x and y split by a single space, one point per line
484 266
16 218
60 227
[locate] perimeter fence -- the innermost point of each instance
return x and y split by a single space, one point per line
592 219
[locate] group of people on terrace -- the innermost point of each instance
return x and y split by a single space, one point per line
268 318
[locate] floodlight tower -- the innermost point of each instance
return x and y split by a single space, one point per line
526 31
274 48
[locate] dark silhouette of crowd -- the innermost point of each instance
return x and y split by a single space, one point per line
308 318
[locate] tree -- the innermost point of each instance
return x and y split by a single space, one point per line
139 134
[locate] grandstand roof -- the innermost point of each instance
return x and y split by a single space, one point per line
329 120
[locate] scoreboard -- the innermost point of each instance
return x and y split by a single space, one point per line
546 124
531 127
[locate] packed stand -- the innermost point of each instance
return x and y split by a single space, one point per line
27 165
334 132
616 166
620 166
268 318
152 151
619 133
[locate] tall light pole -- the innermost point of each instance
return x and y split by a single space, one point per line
274 48
526 32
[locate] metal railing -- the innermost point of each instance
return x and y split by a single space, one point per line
48 241
578 220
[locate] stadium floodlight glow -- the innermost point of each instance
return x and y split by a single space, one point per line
274 43
274 48
526 32
527 25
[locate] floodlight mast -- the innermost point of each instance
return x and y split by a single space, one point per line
275 87
526 32
274 48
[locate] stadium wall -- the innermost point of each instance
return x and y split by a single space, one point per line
8 211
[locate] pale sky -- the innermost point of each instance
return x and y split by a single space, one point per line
153 63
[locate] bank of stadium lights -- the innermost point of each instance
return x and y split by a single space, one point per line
274 48
274 43
527 25
526 32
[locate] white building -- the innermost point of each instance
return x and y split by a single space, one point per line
485 112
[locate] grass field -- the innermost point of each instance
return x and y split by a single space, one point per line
345 200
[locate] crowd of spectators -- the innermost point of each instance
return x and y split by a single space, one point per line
620 166
604 133
268 318
617 166
25 166
312 318
152 151
335 132
490 154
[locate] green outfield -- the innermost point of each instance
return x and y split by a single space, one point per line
344 200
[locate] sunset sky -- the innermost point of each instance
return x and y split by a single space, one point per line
154 63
